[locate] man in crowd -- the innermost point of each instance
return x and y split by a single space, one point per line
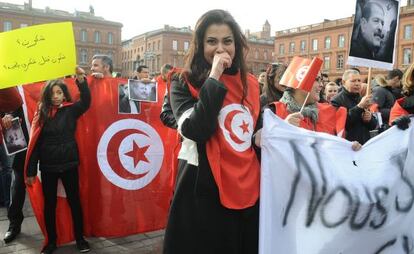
143 73
10 101
102 66
359 120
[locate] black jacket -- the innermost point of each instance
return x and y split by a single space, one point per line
385 99
56 149
167 116
355 128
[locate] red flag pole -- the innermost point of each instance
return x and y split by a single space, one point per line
304 103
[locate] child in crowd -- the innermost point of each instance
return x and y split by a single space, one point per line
54 146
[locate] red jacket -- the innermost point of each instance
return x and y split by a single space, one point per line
330 119
397 110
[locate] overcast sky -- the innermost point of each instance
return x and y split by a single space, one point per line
142 16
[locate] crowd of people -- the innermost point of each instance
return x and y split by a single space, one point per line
215 206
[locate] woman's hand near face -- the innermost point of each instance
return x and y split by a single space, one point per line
221 61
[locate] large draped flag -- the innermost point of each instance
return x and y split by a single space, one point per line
318 196
125 170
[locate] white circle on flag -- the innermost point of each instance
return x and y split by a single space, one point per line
145 144
300 74
236 123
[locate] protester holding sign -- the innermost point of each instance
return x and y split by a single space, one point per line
216 104
53 145
300 107
359 120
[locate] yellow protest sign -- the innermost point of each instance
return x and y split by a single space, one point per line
36 53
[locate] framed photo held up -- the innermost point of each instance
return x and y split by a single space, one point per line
13 138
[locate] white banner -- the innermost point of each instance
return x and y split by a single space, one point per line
320 197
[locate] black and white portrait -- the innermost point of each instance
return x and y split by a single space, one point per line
13 138
142 91
125 105
373 34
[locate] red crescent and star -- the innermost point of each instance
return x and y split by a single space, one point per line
227 126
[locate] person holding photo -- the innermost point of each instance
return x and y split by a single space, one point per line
54 146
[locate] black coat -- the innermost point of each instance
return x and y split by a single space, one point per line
355 128
385 99
198 223
56 149
167 116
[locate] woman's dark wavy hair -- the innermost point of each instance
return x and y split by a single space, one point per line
196 66
274 73
46 98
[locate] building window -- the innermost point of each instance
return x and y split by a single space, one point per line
7 26
159 45
407 57
23 25
340 62
84 35
83 56
281 49
186 45
408 32
110 38
314 44
326 62
302 46
97 37
256 54
327 42
265 55
341 41
153 46
175 45
291 47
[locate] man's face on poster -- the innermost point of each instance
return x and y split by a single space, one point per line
142 90
372 28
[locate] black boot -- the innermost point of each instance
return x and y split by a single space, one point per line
49 248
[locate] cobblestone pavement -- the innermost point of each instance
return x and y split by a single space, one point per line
30 239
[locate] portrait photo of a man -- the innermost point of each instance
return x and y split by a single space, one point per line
125 105
373 35
142 91
13 138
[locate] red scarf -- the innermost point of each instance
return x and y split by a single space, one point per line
231 156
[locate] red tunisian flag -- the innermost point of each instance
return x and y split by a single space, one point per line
301 73
125 175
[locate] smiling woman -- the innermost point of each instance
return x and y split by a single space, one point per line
216 104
